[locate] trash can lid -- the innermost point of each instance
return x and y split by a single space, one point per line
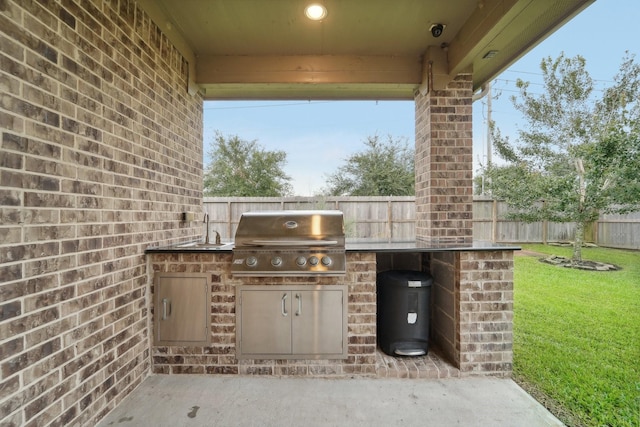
405 278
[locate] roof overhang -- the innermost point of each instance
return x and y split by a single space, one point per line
363 49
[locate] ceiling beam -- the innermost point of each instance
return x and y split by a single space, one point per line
308 91
481 28
328 69
509 27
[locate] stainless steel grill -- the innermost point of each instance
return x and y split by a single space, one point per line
290 243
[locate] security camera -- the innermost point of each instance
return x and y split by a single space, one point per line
436 30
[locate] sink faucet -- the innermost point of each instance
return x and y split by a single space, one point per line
206 239
206 221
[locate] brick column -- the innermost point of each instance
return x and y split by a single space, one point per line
472 319
444 162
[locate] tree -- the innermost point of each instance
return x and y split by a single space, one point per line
580 154
383 169
244 169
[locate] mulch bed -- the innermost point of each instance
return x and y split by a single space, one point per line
561 261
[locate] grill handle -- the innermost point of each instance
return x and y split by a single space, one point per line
299 298
294 243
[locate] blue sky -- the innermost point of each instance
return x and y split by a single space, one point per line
319 136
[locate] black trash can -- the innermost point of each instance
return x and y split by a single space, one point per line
403 312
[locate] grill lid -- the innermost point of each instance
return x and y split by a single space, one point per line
305 242
290 228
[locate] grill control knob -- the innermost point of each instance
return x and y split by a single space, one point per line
301 261
276 261
313 260
326 261
252 261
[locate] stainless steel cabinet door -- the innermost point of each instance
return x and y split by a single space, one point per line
265 322
182 308
291 322
317 322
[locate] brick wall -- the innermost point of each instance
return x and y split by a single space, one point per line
101 148
219 356
444 163
473 310
444 268
486 307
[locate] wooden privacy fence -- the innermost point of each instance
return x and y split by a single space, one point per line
372 218
392 219
489 223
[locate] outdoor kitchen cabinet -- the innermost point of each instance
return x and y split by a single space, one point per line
182 309
291 322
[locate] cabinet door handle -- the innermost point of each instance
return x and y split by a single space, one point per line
165 302
299 298
284 306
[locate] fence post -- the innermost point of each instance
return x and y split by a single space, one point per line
591 232
545 226
389 220
494 220
230 224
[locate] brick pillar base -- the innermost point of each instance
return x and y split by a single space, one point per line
486 306
473 310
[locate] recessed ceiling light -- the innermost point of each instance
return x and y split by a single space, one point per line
315 11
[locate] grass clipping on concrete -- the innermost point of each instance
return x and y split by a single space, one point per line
577 336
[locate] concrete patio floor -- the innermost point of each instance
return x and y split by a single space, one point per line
198 400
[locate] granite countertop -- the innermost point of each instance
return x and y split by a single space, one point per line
360 246
421 246
197 247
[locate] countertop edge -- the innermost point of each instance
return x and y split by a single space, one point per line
415 246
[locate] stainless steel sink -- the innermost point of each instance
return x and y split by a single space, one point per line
201 245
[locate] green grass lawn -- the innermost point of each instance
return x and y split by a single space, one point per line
577 336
